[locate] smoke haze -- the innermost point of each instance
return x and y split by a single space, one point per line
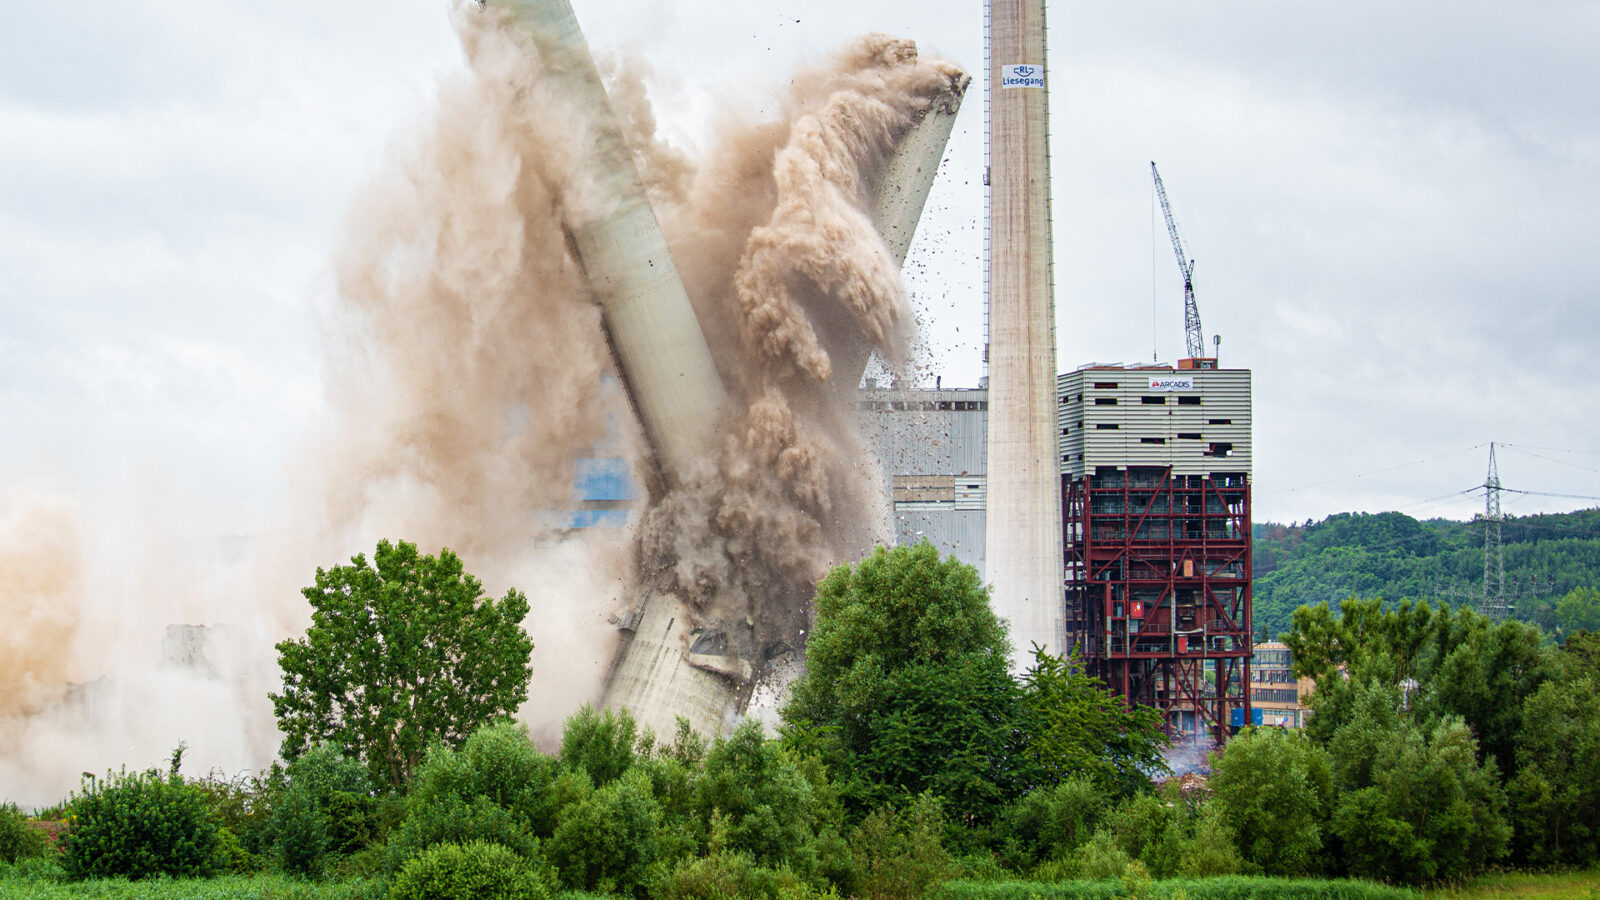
466 371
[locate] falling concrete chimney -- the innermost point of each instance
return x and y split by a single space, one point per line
669 667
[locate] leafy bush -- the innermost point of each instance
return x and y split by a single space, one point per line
139 825
1274 790
731 876
496 788
325 811
1097 858
243 805
767 806
472 871
608 841
900 855
17 840
601 743
1051 821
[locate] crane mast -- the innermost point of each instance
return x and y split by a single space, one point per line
1194 336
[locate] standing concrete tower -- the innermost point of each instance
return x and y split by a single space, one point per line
1023 532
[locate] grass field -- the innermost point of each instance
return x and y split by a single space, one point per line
1560 886
42 882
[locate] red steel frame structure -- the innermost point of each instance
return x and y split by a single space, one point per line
1158 589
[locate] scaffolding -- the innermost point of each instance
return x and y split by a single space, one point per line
1158 591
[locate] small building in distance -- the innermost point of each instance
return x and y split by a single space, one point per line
1277 696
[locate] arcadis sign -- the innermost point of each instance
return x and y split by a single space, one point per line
1171 382
1022 76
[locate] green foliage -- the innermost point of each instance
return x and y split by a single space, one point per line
608 841
41 879
1394 556
472 871
17 839
1579 611
907 690
1274 791
1415 808
401 653
326 810
242 805
601 743
732 876
1097 858
1077 728
1555 796
1170 832
906 686
1485 677
1227 888
139 825
767 807
900 855
1049 822
496 788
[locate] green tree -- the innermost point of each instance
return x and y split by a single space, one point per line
907 687
607 842
600 743
1274 789
1555 796
1051 822
402 652
1078 728
326 810
767 807
497 788
1485 677
1431 811
1579 611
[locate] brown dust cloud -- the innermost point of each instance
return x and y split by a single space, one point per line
467 371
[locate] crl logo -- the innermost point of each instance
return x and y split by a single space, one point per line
1023 71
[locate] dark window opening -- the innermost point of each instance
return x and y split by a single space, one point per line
1220 450
1219 421
1106 426
1188 401
1153 401
1152 440
1105 401
1105 385
1189 435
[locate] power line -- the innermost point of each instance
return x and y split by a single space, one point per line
1559 462
1413 462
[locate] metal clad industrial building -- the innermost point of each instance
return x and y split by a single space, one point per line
932 451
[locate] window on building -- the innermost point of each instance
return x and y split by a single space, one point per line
1106 426
1105 401
1105 385
1189 435
1190 400
1220 449
1275 695
1219 421
1152 440
1153 401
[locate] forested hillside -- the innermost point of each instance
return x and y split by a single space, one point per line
1393 556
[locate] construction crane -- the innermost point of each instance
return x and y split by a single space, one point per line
1195 339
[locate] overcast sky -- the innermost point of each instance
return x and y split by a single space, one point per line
1392 209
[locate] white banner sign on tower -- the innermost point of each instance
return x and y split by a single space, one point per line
1024 76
